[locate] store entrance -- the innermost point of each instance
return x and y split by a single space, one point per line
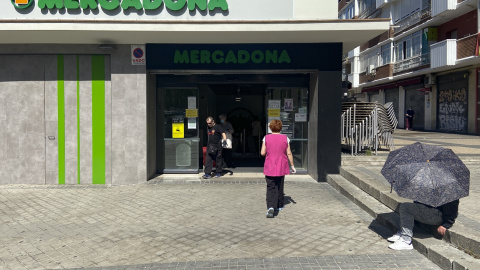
243 106
249 101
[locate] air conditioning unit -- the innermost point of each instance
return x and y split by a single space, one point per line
371 69
429 80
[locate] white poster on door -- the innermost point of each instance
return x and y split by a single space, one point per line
192 102
300 117
274 104
192 123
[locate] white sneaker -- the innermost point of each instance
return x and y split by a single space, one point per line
400 244
394 237
270 212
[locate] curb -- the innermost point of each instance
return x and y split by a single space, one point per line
372 197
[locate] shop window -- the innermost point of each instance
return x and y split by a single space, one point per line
408 47
386 54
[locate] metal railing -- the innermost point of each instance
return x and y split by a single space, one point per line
413 62
367 125
444 53
367 11
412 19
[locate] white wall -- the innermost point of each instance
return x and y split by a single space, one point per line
316 9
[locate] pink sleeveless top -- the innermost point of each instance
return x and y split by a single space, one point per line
276 161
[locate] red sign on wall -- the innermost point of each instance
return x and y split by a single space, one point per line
138 55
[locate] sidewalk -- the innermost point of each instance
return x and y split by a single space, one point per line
466 146
177 222
191 225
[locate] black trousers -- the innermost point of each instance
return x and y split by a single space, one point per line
275 194
209 158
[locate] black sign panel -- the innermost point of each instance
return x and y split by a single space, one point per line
322 56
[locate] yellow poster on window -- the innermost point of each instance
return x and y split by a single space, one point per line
191 113
178 130
273 112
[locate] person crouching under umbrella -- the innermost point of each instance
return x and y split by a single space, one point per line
444 216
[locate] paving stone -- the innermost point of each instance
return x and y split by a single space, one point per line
189 226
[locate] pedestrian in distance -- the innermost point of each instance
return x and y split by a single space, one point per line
409 117
227 150
444 216
215 134
276 149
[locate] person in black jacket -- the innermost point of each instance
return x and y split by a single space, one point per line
409 117
444 216
215 134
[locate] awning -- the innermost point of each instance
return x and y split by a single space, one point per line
405 82
351 33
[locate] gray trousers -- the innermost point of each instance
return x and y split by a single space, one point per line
409 212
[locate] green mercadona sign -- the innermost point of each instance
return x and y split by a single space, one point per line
173 5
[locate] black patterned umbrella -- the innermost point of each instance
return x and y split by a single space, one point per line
427 174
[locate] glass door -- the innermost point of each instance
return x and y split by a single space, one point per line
181 138
290 105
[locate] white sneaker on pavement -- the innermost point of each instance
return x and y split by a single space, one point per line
394 237
270 212
400 244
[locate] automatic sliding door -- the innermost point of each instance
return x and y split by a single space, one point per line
181 141
290 105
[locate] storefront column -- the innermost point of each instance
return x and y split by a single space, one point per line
428 111
324 131
472 95
433 107
381 96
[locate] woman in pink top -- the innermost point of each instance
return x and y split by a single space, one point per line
276 147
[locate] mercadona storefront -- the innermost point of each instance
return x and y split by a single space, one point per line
117 92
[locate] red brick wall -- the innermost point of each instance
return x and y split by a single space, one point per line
465 25
466 47
341 4
384 72
380 73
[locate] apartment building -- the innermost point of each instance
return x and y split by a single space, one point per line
428 60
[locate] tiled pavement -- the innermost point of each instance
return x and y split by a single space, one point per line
191 225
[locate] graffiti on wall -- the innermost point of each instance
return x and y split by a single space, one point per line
452 110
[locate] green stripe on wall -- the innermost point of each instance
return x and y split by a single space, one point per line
98 119
61 119
78 119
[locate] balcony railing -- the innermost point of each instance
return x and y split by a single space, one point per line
412 20
467 46
411 63
380 3
444 53
367 11
439 6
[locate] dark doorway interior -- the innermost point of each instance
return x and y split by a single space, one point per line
243 104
